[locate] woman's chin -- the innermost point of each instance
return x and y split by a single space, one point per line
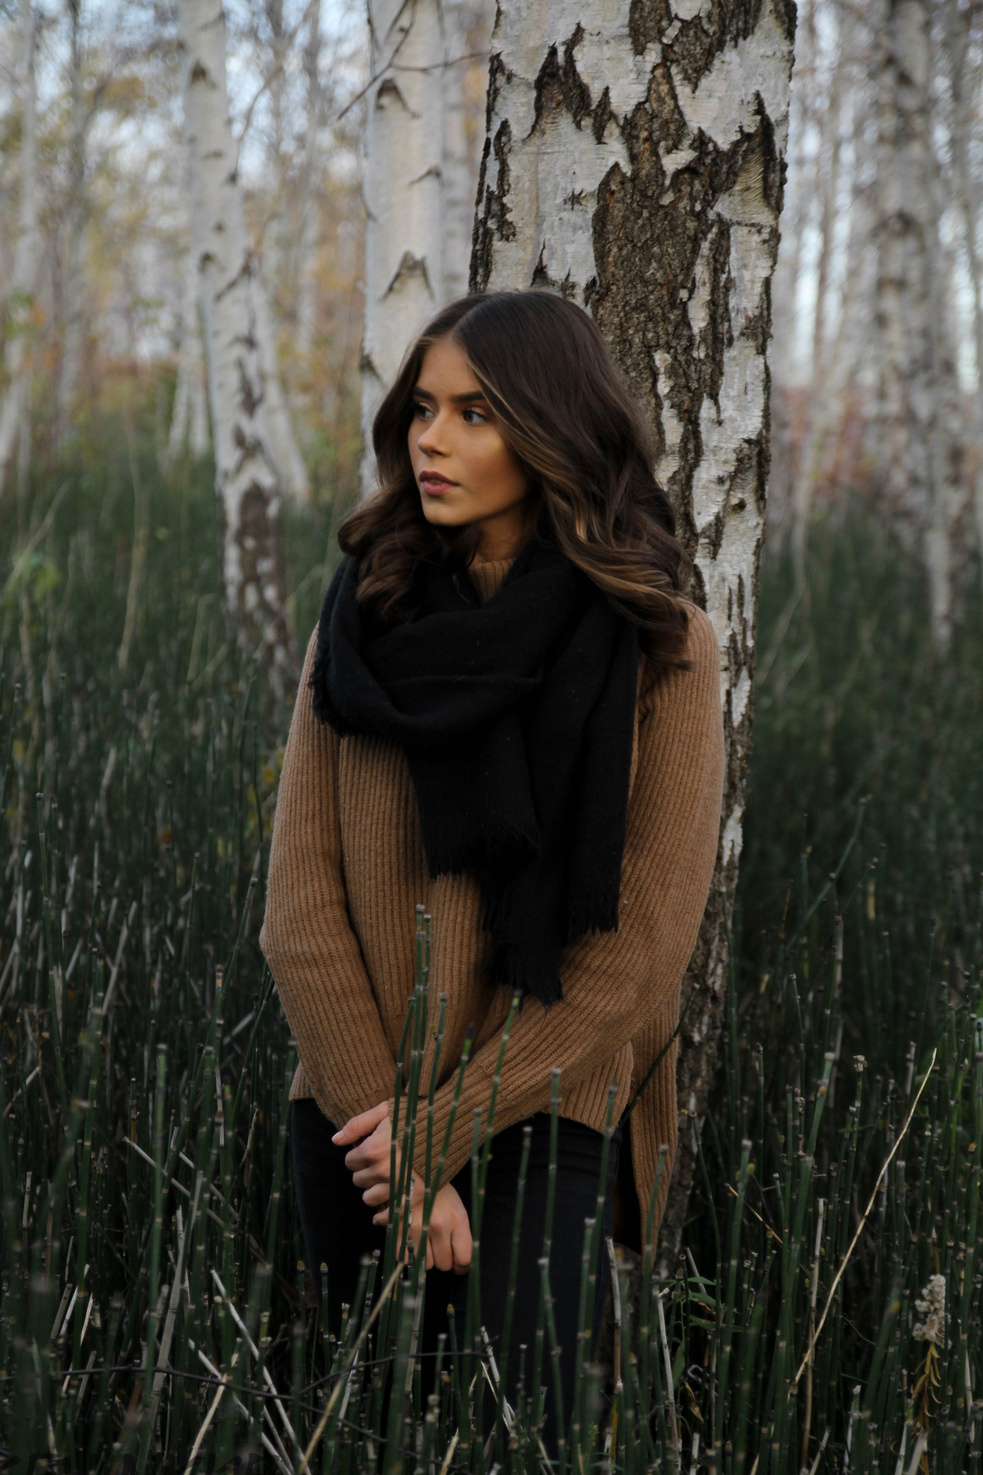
440 515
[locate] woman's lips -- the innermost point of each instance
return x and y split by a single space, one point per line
434 484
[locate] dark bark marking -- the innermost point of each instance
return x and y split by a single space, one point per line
493 220
560 87
389 92
647 22
497 77
576 91
603 115
542 279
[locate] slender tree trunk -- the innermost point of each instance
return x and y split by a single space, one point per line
287 459
403 197
246 481
308 233
787 283
460 157
968 204
15 409
634 161
70 367
828 179
917 457
189 416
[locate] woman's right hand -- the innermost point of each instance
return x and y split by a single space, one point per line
449 1232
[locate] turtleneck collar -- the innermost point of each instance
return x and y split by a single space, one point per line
488 576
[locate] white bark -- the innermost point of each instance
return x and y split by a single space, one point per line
917 438
73 279
466 27
189 417
967 199
287 459
15 410
246 480
403 146
308 234
828 188
634 162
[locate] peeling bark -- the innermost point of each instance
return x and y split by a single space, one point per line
634 161
246 481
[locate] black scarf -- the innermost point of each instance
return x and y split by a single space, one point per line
516 718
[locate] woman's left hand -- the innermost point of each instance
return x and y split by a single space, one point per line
368 1162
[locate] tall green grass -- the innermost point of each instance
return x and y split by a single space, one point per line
153 1305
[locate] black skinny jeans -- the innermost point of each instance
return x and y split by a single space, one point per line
338 1231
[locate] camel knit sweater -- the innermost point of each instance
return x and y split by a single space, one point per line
347 868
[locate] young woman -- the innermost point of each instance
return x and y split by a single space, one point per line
508 713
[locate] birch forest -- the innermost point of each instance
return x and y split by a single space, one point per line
221 225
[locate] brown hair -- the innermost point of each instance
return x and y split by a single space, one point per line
568 419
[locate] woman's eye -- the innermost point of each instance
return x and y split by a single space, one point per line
479 417
420 410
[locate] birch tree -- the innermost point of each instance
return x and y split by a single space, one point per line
958 38
403 158
189 415
307 234
15 409
634 161
829 151
916 413
73 278
246 481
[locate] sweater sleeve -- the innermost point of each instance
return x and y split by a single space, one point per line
615 983
307 935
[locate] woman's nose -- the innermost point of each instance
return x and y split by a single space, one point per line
432 436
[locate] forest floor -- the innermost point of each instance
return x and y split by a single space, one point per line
152 1300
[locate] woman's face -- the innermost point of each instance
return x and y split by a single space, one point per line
463 467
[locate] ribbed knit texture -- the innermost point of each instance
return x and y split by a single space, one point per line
347 869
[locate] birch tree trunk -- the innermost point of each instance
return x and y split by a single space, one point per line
15 409
917 453
189 416
828 183
967 200
246 481
403 147
308 233
634 161
464 23
73 308
287 459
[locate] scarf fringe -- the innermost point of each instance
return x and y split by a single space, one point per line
505 969
598 914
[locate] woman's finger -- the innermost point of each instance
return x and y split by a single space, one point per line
439 1241
368 1176
461 1248
376 1193
362 1125
373 1152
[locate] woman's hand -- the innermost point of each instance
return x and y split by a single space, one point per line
449 1234
368 1162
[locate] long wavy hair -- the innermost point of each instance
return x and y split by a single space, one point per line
571 424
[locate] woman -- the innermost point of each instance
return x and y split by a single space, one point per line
510 714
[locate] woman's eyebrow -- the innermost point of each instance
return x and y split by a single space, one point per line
455 399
